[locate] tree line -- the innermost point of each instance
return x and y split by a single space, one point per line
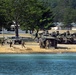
29 14
36 14
63 10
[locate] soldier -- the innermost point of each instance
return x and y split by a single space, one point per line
46 32
57 33
55 44
36 35
23 44
48 43
40 42
67 33
2 42
53 34
10 43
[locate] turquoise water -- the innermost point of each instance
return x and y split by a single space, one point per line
38 64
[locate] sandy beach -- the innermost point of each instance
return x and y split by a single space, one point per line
34 48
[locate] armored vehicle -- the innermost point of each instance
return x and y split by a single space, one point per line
65 39
74 38
47 41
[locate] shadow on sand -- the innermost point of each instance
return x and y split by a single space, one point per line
63 48
16 48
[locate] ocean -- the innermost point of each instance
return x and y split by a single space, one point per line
38 64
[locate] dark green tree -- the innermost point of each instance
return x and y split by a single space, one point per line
47 19
30 14
2 15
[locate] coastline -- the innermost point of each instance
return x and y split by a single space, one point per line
33 48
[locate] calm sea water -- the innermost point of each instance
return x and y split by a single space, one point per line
38 64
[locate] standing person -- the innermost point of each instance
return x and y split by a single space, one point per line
48 43
53 34
2 42
57 33
10 43
23 44
67 33
36 37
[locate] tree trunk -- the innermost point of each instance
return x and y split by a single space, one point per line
26 31
16 30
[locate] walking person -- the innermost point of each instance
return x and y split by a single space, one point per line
2 42
48 44
10 43
23 44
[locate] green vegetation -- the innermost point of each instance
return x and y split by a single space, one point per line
63 10
29 14
36 14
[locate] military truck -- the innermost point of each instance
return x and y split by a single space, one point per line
47 41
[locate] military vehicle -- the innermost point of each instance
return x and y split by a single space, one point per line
54 38
74 38
47 41
14 40
66 38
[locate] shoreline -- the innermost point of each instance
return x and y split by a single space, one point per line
38 53
35 49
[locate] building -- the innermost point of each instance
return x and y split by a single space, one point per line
58 26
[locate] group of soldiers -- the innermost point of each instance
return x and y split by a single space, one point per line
3 42
57 33
11 43
51 42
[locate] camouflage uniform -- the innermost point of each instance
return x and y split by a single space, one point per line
67 33
23 44
10 43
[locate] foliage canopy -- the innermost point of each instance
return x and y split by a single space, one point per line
27 13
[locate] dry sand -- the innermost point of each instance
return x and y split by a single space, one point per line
34 48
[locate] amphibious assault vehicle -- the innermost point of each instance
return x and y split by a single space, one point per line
47 41
66 39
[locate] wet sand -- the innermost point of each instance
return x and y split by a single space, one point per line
34 48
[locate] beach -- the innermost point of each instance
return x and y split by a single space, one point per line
33 47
